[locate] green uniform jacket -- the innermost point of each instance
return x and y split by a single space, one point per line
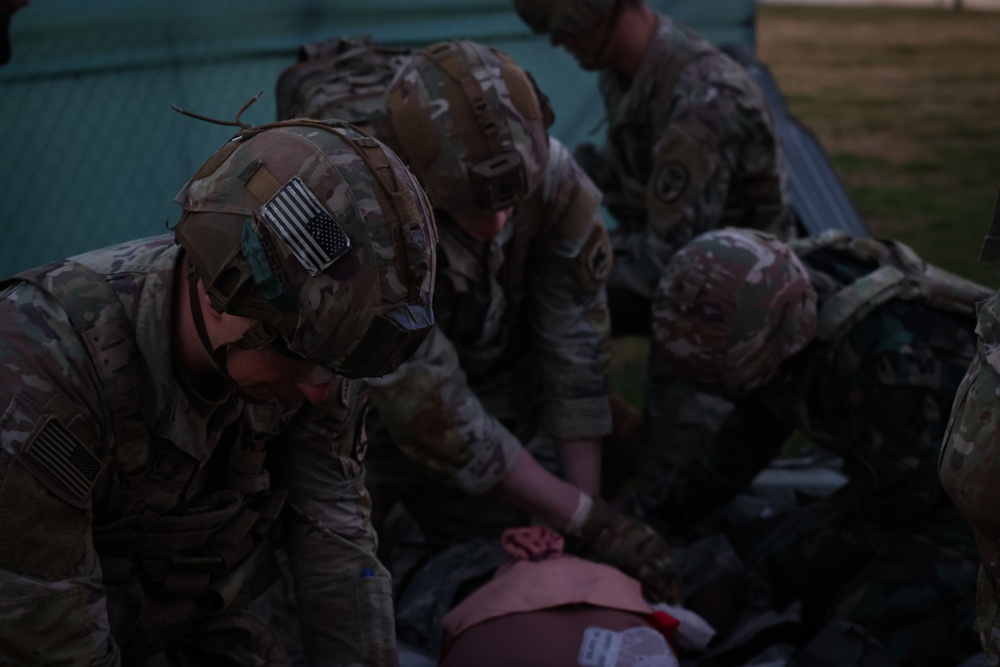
691 146
522 337
82 584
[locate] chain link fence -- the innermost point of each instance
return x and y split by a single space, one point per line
91 153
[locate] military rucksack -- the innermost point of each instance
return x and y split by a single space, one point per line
901 274
343 78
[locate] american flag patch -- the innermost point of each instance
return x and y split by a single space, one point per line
63 458
305 226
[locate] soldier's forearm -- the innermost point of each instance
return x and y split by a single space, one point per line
581 463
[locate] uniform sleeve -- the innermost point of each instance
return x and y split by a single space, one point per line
344 593
716 133
436 419
709 469
53 605
568 304
969 467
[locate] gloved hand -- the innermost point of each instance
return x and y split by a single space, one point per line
635 548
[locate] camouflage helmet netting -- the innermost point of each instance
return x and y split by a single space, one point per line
573 17
458 107
731 305
323 312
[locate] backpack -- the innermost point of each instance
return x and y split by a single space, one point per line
343 78
901 274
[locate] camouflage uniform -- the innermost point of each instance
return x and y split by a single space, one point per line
968 464
873 385
519 354
142 508
691 146
84 586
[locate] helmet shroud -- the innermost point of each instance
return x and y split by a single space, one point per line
321 234
732 304
471 124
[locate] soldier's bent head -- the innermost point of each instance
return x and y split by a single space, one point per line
320 234
472 125
732 305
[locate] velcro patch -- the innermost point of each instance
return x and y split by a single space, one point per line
56 452
306 227
671 181
595 259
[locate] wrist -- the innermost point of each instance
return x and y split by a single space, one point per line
576 522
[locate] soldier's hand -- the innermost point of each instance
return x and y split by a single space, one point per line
635 548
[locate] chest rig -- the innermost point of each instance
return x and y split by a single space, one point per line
853 276
164 573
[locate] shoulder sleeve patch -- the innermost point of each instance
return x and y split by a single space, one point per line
60 456
47 441
671 181
595 259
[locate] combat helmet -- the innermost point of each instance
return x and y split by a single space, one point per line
471 124
322 235
573 17
732 304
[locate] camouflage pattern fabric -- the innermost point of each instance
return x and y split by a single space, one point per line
877 396
521 345
342 78
333 295
685 152
970 459
472 125
82 584
731 306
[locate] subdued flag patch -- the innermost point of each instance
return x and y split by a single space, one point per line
305 226
63 458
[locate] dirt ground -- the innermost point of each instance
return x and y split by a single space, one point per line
907 104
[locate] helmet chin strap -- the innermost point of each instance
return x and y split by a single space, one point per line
219 355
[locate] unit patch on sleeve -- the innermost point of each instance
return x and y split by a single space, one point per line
671 181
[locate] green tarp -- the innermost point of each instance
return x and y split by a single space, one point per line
91 154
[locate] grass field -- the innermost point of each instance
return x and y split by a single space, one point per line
907 104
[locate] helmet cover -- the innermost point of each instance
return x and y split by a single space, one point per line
471 124
322 235
732 304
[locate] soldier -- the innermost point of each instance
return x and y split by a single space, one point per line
517 365
178 407
968 465
691 145
860 346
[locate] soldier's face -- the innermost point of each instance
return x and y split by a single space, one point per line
482 226
586 47
266 374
